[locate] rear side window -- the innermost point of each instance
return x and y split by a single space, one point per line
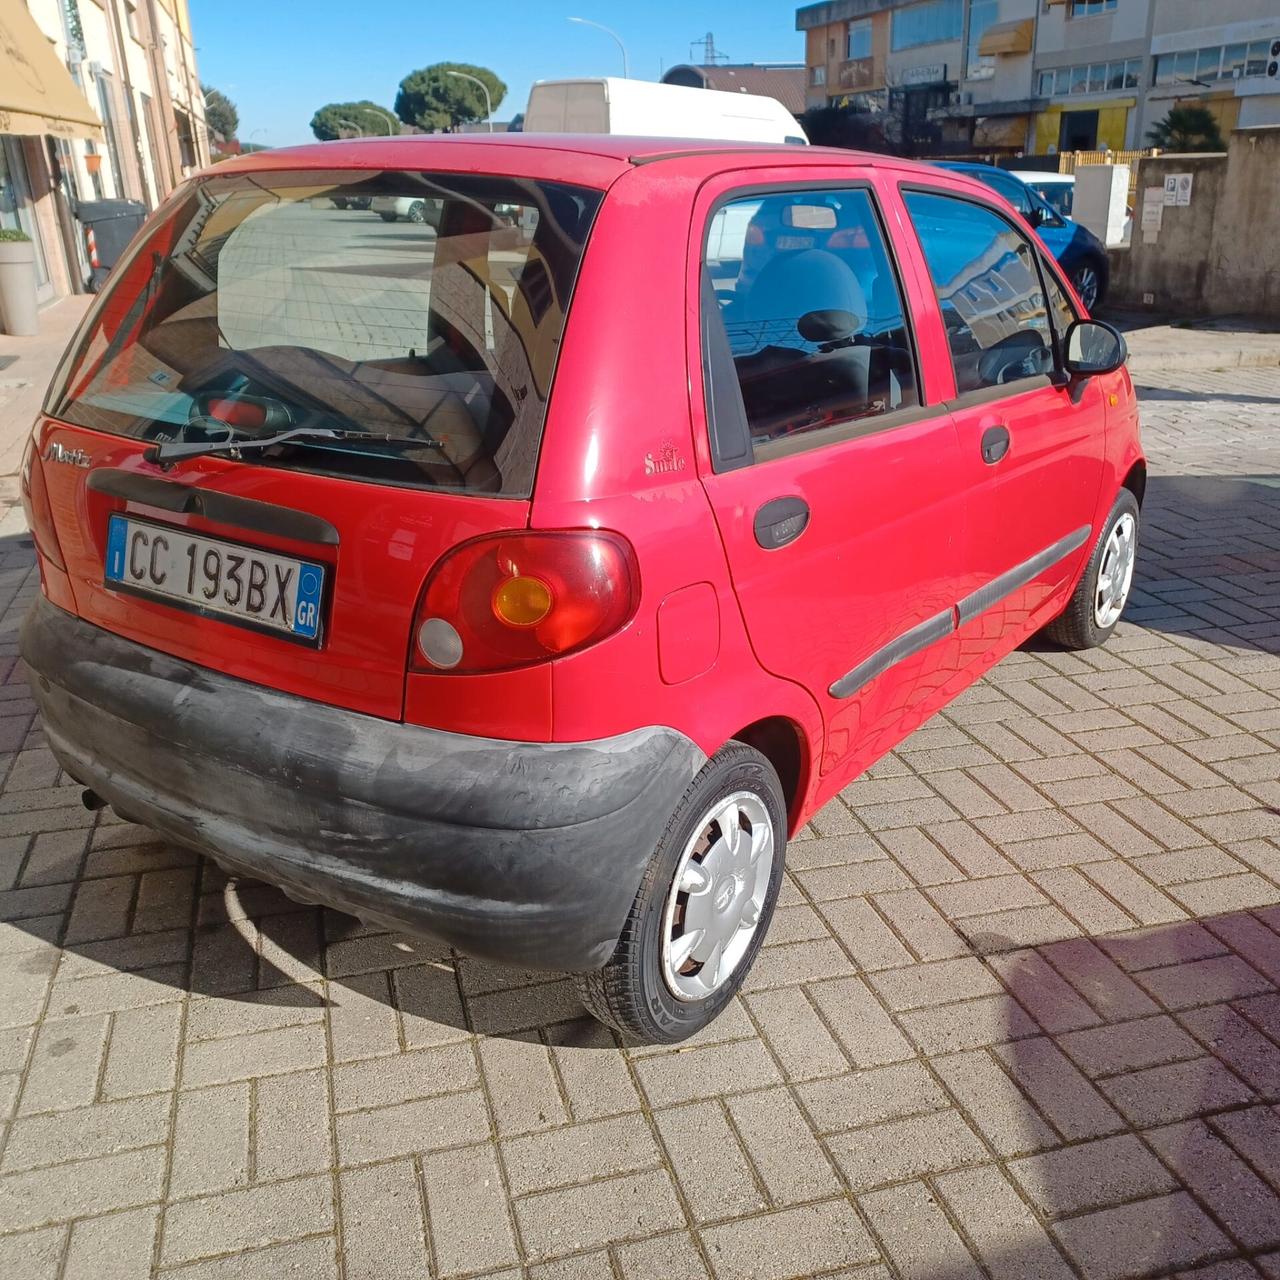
989 289
423 307
810 307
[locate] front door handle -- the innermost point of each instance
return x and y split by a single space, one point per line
781 520
995 444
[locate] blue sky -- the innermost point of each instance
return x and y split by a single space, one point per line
278 60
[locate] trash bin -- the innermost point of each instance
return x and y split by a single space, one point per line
109 225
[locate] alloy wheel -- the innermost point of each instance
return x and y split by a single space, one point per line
717 896
1085 281
1115 573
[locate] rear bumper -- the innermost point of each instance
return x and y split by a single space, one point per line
523 853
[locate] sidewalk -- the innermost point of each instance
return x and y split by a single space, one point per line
1228 342
24 382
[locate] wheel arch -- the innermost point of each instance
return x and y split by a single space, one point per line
1135 481
782 742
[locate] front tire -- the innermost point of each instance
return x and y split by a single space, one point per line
387 217
417 212
1103 590
1086 280
703 907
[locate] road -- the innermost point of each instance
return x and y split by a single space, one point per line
1018 1016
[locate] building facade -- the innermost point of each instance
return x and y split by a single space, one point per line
128 124
1039 76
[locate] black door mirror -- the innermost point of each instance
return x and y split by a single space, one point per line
1034 215
1094 347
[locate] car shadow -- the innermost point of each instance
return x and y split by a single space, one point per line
1138 1073
1197 397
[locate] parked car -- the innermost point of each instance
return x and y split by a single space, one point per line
411 208
531 593
352 202
1081 254
1056 189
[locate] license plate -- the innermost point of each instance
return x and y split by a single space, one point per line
242 584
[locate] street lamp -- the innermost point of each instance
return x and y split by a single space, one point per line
484 88
393 125
587 22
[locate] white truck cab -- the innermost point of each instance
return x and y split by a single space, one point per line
643 108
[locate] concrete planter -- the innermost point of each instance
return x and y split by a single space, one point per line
18 288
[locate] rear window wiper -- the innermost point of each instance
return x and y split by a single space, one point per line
170 451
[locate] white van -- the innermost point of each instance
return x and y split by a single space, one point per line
645 109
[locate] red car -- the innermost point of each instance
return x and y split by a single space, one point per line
525 580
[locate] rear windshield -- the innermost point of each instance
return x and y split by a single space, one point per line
425 307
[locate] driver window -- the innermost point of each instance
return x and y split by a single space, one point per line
989 290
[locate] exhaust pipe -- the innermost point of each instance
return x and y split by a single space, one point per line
92 800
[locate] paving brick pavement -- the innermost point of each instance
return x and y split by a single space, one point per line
1019 1015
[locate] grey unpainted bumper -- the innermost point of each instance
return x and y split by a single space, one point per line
523 853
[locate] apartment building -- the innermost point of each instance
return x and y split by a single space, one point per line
99 99
1039 76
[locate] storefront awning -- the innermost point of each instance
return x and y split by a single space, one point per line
37 94
1007 37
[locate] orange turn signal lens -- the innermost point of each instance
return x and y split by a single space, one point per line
522 601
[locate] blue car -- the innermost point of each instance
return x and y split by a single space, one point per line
1082 255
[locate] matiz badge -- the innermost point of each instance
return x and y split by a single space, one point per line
72 457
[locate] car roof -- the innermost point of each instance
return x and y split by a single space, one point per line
592 158
1034 175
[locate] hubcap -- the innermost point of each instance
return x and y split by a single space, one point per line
717 896
1115 573
1087 286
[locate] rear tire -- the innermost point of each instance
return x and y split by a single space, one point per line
1103 590
686 947
387 217
417 212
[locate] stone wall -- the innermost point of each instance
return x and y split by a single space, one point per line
1219 255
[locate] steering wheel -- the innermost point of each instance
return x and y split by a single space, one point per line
1011 358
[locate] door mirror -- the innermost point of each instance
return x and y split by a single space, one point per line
1034 215
1094 347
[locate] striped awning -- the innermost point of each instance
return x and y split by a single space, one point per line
37 93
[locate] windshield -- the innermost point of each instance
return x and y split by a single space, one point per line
422 306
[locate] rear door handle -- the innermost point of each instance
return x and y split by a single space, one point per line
781 520
995 444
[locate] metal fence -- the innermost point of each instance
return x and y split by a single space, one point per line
1070 161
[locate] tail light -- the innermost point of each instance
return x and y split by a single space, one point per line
514 599
35 503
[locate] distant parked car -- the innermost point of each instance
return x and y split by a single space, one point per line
410 208
1082 255
1057 189
352 202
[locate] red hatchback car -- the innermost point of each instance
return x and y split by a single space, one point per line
523 577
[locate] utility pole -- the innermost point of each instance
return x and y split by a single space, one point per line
710 55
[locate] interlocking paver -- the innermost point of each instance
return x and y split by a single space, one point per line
1091 1175
915 1234
790 1244
1151 1236
1019 1002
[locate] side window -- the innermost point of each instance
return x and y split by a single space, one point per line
1012 190
810 307
989 289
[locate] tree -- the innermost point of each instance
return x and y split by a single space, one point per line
334 120
434 100
849 127
220 112
1187 128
